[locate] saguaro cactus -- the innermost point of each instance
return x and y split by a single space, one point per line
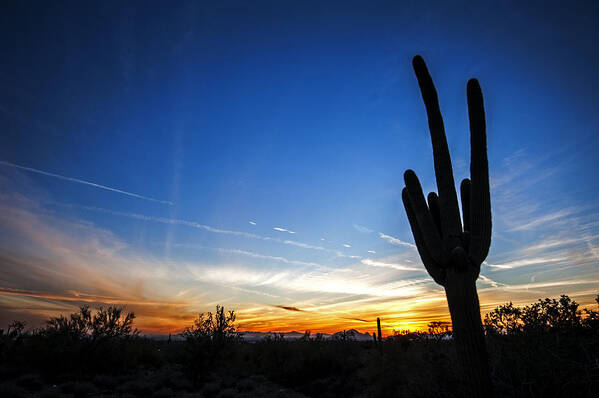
378 327
452 254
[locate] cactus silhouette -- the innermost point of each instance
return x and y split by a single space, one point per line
452 253
378 327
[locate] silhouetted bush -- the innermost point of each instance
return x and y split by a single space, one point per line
544 316
548 348
218 327
208 342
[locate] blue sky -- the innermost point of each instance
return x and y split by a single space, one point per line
293 115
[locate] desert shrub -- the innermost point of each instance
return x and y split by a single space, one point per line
536 348
591 319
218 327
108 322
83 342
505 319
561 315
439 330
209 342
343 336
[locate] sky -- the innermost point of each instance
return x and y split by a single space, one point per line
170 157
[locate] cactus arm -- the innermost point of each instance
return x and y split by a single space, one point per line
448 201
433 207
429 232
480 198
436 272
465 196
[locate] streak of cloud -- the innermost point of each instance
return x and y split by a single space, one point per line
176 221
396 241
294 309
283 230
400 267
346 245
490 281
252 222
540 285
362 229
79 181
197 225
539 221
83 298
358 319
303 245
341 254
267 257
525 262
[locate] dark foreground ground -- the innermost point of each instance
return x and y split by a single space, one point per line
548 349
546 366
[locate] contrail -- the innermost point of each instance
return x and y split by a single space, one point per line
4 163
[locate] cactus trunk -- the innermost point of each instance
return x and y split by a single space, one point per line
378 327
468 335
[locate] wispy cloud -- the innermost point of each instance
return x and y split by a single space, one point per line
358 319
400 267
490 281
79 181
175 221
197 225
371 251
362 229
303 245
283 230
539 221
294 309
346 245
540 285
341 254
252 222
267 257
526 261
396 241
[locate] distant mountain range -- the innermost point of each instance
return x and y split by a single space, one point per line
257 336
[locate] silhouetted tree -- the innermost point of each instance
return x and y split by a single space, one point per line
306 336
76 325
452 253
108 322
218 327
439 329
505 319
544 316
15 330
344 336
591 320
111 322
